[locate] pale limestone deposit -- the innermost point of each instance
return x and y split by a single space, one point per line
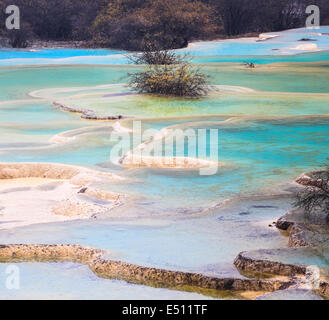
33 193
133 161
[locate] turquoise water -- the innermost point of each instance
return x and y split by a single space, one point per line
54 53
270 131
40 282
283 48
284 43
267 59
120 59
187 244
259 153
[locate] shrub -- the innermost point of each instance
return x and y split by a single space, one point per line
181 80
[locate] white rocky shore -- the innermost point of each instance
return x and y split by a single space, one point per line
33 193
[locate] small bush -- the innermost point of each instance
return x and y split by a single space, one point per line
181 80
167 74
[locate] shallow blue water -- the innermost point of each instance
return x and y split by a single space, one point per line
263 156
40 281
205 244
260 155
54 53
261 59
280 49
118 59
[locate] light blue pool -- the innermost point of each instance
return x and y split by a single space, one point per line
272 130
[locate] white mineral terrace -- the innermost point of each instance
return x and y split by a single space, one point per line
33 193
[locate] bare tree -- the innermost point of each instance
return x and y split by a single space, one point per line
315 196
